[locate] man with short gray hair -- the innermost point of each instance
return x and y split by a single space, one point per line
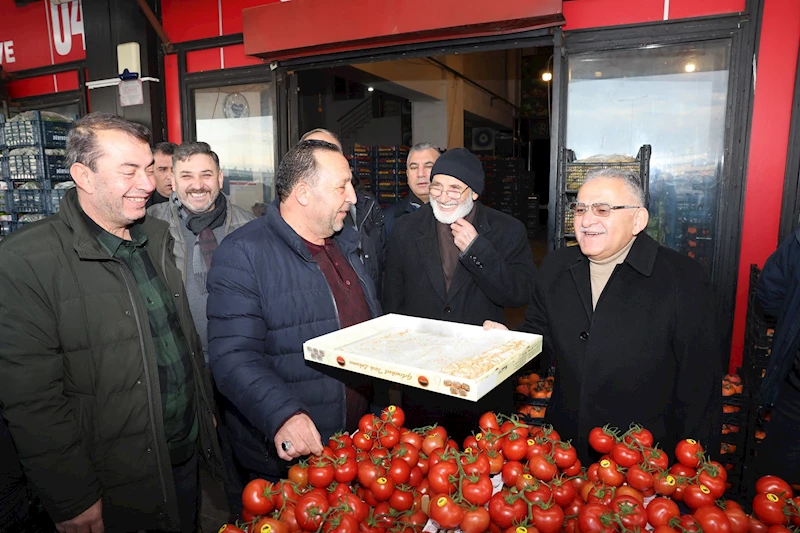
630 324
419 164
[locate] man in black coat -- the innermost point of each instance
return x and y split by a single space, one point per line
457 260
630 324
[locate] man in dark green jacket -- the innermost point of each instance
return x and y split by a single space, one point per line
100 379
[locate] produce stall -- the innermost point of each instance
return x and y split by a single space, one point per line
509 476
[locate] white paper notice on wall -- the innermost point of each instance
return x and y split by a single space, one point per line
131 93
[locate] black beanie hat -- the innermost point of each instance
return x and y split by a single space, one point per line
462 165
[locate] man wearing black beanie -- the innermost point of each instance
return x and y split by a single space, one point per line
457 260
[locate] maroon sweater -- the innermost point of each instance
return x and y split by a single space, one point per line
352 307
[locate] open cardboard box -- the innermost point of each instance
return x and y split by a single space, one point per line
454 359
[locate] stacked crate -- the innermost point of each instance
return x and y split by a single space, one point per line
361 164
735 416
503 176
32 169
389 179
532 394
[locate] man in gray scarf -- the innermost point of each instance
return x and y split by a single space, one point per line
199 216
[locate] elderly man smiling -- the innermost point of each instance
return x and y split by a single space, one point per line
630 325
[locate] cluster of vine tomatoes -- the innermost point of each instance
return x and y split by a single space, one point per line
506 477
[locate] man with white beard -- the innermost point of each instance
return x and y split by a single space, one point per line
457 260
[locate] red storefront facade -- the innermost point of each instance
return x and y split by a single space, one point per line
212 37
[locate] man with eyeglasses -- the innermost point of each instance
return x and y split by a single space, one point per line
630 325
457 260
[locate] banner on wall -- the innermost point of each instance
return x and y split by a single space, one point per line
40 34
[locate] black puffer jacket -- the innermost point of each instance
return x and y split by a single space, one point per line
79 381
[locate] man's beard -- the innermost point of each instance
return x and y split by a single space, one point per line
450 217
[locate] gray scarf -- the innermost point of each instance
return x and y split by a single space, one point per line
202 226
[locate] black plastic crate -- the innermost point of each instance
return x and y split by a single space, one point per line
36 132
7 227
29 201
36 167
56 195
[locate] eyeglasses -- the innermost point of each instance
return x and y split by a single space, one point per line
453 195
600 210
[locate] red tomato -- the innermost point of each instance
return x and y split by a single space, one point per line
712 519
515 448
496 461
368 472
601 441
565 455
476 463
756 526
688 452
609 473
266 525
340 523
399 471
346 471
477 489
639 478
548 518
431 442
696 496
626 490
340 440
363 441
631 511
289 516
737 518
769 508
401 500
775 485
641 435
256 497
320 472
542 468
368 423
439 478
593 516
382 488
656 459
298 475
412 438
714 482
407 452
574 470
532 489
415 476
388 435
395 415
511 471
488 423
475 521
661 510
624 455
445 512
563 493
504 512
309 510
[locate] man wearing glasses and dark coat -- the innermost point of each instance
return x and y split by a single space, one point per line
630 325
457 260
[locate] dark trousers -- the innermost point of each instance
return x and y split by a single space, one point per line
187 490
779 452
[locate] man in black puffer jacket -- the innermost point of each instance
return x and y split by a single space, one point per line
287 277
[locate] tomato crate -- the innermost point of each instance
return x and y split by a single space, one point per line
36 132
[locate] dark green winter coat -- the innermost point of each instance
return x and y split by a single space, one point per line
78 373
